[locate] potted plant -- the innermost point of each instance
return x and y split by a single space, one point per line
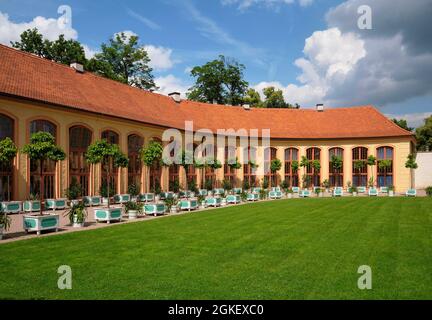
174 186
133 191
77 215
151 155
371 161
275 166
227 185
5 222
8 152
285 186
201 201
391 190
429 191
412 165
109 155
42 148
246 185
74 192
133 209
326 185
319 192
353 190
289 193
103 191
171 204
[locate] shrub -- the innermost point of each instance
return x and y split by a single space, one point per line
174 186
134 189
208 184
429 191
5 220
77 211
284 185
170 202
74 191
104 190
226 184
133 206
246 185
265 183
192 186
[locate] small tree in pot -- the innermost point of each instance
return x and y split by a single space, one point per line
41 148
74 192
412 165
110 156
336 163
275 166
371 161
134 190
8 152
133 209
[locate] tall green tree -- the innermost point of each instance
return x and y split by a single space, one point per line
128 60
424 135
274 98
61 50
253 98
220 81
403 124
41 148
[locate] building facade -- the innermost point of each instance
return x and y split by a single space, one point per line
79 108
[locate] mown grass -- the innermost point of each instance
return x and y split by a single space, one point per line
289 249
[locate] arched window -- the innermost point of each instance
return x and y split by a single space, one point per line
249 171
269 156
113 138
135 143
291 175
229 155
155 173
385 166
7 127
359 167
79 140
313 155
48 184
336 175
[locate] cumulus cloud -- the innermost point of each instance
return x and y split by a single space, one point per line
50 28
170 83
160 57
343 65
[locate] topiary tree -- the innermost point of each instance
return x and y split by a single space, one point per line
109 155
371 161
8 152
275 166
41 148
336 163
152 155
316 165
412 165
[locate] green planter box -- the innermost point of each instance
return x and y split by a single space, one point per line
155 209
40 223
219 192
213 202
275 194
233 199
92 201
190 204
108 214
55 204
31 206
237 190
122 198
252 196
12 206
146 197
186 194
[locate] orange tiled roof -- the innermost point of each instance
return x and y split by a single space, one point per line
26 76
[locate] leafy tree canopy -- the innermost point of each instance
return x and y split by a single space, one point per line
42 147
424 135
122 59
152 154
101 150
403 124
219 81
8 150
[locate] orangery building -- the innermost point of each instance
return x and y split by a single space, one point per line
78 108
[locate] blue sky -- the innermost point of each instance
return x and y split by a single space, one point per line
306 48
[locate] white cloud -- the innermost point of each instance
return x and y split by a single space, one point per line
160 57
243 5
414 120
127 33
50 28
89 52
170 83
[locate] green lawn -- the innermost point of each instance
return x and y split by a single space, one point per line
289 249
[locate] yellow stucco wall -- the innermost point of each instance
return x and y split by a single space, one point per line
23 112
